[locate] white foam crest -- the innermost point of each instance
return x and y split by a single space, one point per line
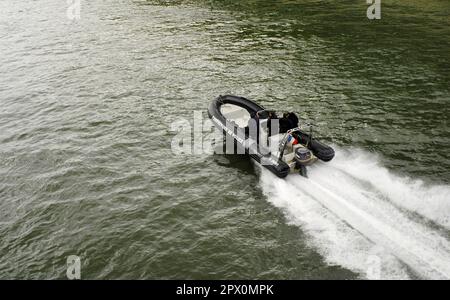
432 202
352 211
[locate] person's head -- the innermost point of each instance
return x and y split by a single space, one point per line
262 114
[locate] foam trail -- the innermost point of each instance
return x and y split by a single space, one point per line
356 213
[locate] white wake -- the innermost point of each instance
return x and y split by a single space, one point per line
362 217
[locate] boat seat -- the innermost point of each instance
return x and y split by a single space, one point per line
236 114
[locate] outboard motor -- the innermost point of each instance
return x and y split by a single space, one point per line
303 157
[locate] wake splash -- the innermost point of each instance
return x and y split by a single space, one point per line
360 216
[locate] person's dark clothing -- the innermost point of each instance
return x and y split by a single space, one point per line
289 121
285 125
293 119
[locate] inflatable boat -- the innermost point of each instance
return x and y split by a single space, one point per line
277 143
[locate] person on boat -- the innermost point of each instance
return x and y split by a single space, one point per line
255 120
272 123
253 126
294 119
288 121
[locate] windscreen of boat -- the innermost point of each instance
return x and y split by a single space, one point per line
235 113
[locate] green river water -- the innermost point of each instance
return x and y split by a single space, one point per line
86 166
